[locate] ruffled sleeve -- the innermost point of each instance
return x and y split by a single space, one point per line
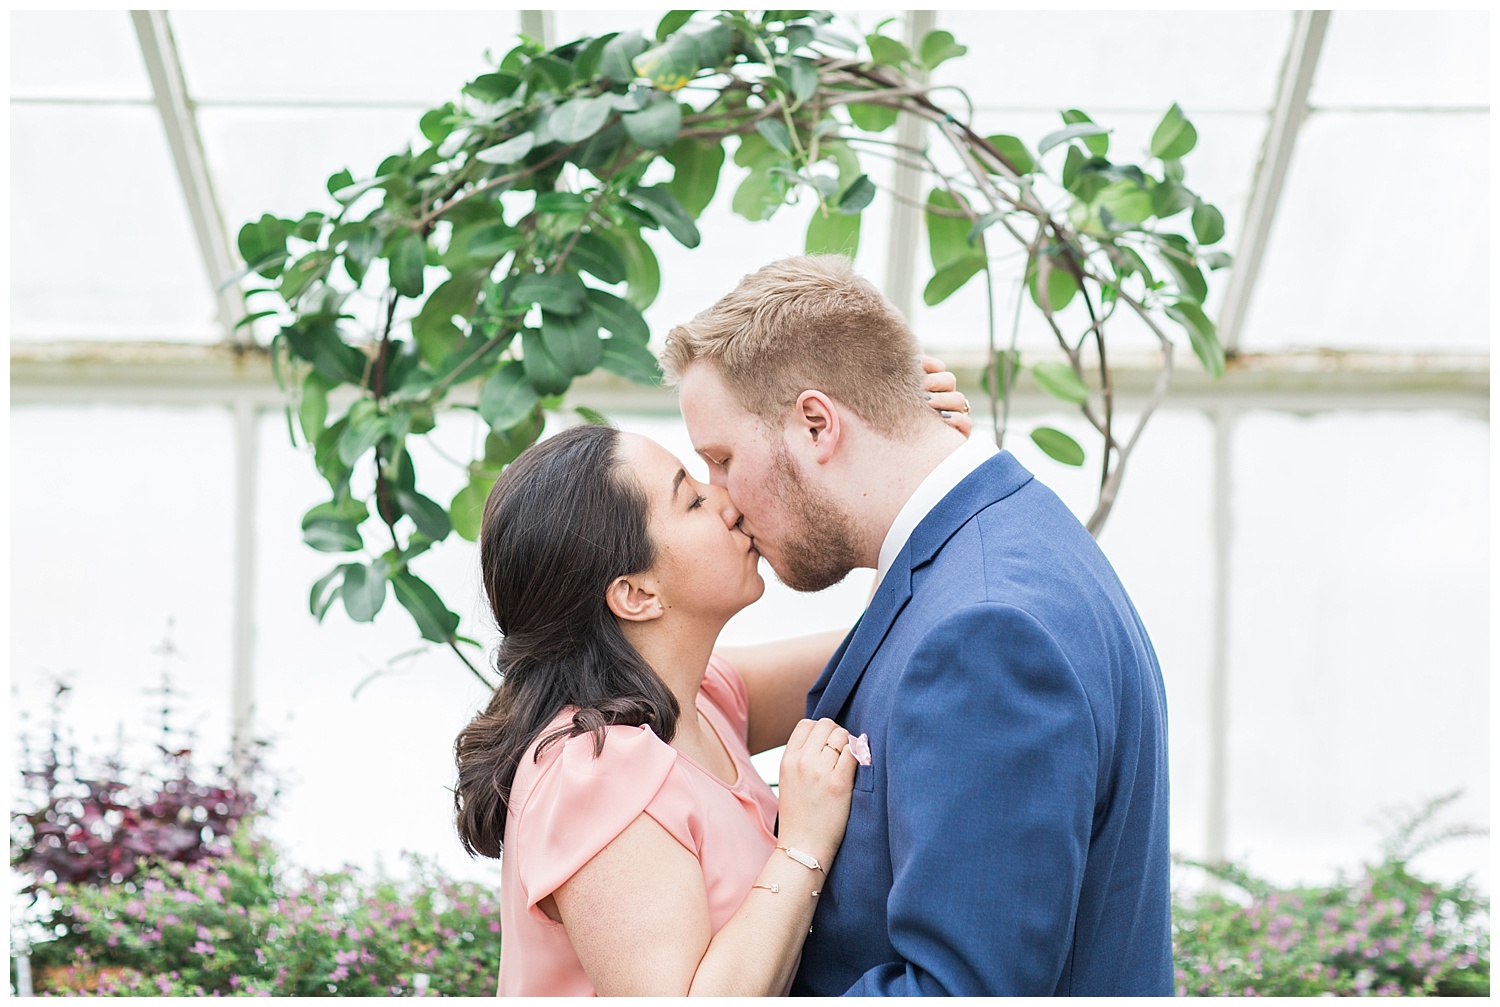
579 803
725 689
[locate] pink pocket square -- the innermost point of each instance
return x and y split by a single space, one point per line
860 748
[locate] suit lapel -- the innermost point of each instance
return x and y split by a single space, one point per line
996 479
847 666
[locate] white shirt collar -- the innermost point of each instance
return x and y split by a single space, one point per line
929 493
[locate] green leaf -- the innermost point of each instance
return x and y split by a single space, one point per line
1014 152
1073 162
264 241
663 207
671 65
333 535
1218 260
1174 135
467 510
697 164
1125 201
560 292
545 374
578 119
433 619
572 340
317 341
593 417
364 589
339 180
1060 381
437 123
297 276
1060 284
1202 333
673 20
1058 446
642 273
1169 198
408 256
948 235
1173 170
506 398
597 257
433 328
359 251
1097 143
775 132
656 125
1208 223
800 77
366 428
493 87
326 456
619 317
430 517
759 196
1181 263
887 51
508 151
1070 133
872 118
630 360
938 47
614 62
312 406
503 446
858 196
833 233
320 598
947 280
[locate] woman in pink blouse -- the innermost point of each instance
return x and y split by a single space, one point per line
612 766
642 852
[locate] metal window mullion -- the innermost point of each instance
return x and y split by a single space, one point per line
906 216
1290 109
179 119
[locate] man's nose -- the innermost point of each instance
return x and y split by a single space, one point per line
727 510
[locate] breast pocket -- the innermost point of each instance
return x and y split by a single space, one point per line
864 779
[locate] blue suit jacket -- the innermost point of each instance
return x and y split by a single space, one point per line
1010 836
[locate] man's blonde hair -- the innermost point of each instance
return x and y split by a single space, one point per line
806 322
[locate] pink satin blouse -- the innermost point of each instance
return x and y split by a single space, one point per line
570 805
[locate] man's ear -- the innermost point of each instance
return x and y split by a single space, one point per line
630 599
820 426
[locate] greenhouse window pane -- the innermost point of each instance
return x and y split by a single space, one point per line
1404 59
1206 61
1351 265
76 54
421 57
101 243
122 538
1360 668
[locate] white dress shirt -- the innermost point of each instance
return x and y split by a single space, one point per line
929 493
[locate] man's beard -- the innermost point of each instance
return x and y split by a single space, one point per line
819 548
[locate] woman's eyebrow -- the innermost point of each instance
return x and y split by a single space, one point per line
677 481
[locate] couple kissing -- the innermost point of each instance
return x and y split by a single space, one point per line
973 796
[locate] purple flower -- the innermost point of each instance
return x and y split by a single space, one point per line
345 957
201 948
339 974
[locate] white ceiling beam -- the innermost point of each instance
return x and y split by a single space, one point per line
179 118
1305 46
538 25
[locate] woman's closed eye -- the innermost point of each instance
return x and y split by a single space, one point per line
697 502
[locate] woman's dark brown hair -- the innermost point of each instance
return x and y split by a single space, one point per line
562 522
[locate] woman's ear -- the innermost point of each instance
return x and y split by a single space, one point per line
631 600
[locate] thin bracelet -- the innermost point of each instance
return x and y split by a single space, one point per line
776 890
805 859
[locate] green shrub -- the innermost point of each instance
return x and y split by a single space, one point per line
1385 932
237 926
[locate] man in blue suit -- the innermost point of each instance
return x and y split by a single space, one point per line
1010 833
